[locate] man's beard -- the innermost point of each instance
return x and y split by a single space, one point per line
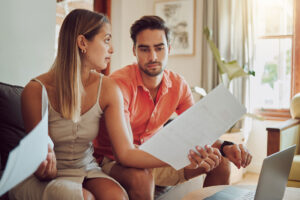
152 73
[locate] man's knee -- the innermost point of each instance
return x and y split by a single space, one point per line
223 171
220 175
140 178
141 182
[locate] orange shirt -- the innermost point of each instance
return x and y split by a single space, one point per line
146 116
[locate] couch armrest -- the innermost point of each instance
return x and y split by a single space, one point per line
283 135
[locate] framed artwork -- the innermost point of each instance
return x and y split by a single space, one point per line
179 17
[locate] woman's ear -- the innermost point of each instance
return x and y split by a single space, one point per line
82 43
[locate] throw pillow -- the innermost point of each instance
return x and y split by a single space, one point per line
295 106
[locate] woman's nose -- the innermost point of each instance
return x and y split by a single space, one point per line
111 49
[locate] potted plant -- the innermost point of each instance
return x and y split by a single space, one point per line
228 70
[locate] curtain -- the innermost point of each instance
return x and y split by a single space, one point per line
236 42
236 39
231 23
209 70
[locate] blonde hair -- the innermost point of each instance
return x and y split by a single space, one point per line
67 65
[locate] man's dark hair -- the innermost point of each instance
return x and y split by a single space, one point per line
148 22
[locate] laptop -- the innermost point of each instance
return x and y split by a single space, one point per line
272 179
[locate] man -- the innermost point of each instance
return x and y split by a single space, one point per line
151 95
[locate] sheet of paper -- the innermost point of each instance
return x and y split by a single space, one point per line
24 159
201 124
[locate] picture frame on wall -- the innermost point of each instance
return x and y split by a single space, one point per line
179 17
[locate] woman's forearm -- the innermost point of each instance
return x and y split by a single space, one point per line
139 159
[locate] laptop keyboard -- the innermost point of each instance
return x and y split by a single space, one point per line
248 196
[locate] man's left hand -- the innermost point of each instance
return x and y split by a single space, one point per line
238 154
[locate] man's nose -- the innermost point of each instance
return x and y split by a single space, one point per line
153 55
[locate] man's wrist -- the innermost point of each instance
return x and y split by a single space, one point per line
225 143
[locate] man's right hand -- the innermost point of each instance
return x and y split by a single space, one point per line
47 169
207 158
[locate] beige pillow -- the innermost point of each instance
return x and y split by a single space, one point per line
295 106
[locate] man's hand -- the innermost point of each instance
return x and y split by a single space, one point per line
47 169
238 154
208 158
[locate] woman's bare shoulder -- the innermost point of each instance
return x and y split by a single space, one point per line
34 87
110 92
109 84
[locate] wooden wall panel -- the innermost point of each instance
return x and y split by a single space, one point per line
104 6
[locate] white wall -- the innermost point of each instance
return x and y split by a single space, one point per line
257 143
26 39
125 12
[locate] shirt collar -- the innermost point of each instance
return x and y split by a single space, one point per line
166 82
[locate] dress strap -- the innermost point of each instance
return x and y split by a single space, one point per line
37 80
44 96
99 88
45 104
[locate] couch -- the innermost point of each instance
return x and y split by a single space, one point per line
12 131
285 134
11 123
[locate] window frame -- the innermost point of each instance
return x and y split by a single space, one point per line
295 85
284 114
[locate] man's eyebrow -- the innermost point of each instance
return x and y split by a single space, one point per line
143 46
158 45
147 46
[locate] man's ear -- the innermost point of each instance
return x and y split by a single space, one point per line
134 50
82 42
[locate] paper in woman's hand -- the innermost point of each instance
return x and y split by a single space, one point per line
201 124
28 155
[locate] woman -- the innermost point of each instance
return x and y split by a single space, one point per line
77 97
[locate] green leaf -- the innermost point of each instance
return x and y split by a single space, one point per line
231 68
234 70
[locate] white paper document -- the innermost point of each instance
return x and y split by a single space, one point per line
201 124
24 159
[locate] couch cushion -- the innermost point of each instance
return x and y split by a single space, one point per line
295 170
295 106
11 123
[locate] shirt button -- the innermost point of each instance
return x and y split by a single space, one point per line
147 130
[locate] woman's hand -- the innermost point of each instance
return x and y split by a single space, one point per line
47 169
208 158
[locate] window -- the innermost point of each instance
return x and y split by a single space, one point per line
272 85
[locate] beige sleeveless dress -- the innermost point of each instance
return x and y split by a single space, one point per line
74 153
